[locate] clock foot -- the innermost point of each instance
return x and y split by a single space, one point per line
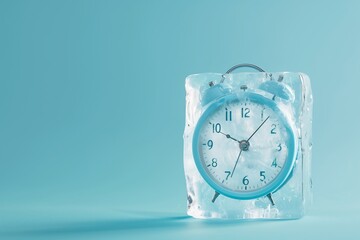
271 199
215 196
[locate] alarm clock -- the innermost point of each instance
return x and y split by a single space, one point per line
243 146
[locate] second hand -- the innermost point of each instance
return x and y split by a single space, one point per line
244 144
237 160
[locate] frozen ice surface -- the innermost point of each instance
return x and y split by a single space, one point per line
292 200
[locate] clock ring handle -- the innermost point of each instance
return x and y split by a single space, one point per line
242 65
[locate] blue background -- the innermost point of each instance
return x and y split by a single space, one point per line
92 110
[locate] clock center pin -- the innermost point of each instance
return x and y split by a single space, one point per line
244 145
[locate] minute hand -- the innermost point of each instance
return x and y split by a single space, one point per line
257 128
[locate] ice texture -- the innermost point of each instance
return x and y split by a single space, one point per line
293 199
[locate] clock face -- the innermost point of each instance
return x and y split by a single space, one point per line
244 148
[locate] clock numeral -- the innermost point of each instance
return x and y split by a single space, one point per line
210 144
245 112
274 163
262 176
214 162
273 127
228 174
245 181
216 127
279 147
228 115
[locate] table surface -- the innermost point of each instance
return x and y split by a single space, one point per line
115 223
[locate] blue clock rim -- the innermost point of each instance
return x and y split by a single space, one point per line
286 170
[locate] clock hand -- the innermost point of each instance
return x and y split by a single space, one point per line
237 160
228 136
257 128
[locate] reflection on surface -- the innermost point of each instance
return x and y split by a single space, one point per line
127 222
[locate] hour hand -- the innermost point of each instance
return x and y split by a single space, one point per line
228 136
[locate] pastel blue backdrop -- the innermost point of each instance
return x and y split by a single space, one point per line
92 109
